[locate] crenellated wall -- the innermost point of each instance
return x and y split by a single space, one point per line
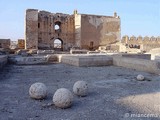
144 43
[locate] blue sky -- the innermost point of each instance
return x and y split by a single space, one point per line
138 17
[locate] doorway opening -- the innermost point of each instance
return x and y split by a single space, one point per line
58 44
91 45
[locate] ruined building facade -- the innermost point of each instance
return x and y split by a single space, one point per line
45 30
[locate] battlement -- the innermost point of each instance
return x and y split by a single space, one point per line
140 38
144 43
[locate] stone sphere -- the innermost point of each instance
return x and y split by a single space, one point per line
63 98
38 91
140 77
80 88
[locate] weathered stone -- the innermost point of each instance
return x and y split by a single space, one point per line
21 43
83 31
31 60
80 88
52 58
87 60
144 44
150 66
38 91
22 52
93 52
44 52
72 51
5 43
32 51
138 56
63 98
140 77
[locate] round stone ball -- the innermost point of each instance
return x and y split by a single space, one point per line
63 98
140 77
38 91
80 88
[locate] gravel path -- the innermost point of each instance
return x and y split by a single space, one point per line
114 94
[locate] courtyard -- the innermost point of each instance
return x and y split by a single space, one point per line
114 93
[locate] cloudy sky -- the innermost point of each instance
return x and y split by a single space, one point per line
138 17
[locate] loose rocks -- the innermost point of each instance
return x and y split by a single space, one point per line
38 91
140 77
63 98
80 88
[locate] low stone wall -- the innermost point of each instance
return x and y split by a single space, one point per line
3 61
78 51
88 61
93 52
32 60
137 64
139 56
45 52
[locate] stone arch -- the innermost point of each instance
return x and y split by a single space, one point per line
58 44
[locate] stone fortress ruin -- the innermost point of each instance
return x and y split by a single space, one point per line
93 40
78 54
59 31
82 31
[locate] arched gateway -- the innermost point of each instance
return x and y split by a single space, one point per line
58 44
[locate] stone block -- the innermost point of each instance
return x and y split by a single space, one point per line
28 60
87 61
93 52
139 56
150 66
52 58
78 51
157 58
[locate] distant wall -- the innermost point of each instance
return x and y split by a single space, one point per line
143 43
5 43
21 44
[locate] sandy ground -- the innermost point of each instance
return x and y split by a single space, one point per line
114 93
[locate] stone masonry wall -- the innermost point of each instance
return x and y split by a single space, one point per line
77 30
47 32
99 31
144 43
5 43
31 40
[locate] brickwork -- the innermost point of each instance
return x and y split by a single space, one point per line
21 43
5 43
144 43
77 30
31 29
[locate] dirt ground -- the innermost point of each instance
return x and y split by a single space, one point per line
114 93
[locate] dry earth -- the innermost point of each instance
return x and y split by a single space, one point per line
114 93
